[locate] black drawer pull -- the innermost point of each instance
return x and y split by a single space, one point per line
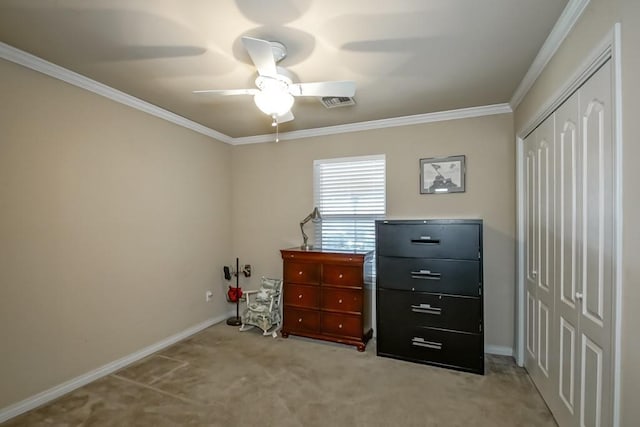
426 240
426 309
425 275
421 342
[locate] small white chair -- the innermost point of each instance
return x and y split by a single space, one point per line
263 307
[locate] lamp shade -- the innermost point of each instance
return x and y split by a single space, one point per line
273 101
315 215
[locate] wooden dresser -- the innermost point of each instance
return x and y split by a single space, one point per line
325 295
429 292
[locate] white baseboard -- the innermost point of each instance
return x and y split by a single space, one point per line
499 350
77 382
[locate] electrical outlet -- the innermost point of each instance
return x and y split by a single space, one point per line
208 296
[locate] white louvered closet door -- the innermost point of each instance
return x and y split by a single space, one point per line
569 247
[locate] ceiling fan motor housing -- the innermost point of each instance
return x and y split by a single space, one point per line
279 51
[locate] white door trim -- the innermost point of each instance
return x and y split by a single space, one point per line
618 197
520 254
608 48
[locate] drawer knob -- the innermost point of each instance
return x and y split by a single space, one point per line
340 301
300 320
300 296
340 276
340 326
300 273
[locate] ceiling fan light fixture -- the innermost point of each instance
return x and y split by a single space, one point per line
273 102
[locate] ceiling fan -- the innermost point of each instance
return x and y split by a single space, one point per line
275 89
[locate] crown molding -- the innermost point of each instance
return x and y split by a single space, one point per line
33 62
441 116
561 29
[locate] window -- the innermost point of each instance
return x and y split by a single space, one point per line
350 193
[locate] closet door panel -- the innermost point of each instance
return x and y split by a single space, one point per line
594 293
531 250
540 279
591 399
545 280
568 368
531 330
566 317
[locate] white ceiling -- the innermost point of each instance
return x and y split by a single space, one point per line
407 57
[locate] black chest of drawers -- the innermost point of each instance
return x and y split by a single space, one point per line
429 292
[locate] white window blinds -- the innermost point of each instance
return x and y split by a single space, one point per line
350 193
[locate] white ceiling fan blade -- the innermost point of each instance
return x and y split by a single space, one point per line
337 88
261 54
286 117
228 91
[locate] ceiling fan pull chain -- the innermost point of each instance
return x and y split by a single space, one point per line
275 125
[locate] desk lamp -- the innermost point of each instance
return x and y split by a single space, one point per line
315 217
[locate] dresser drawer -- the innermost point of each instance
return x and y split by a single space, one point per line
301 320
450 241
302 295
300 272
401 308
452 349
343 300
429 275
342 275
341 324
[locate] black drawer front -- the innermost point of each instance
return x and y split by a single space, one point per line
452 349
451 241
420 309
429 275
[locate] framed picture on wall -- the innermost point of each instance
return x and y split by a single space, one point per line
440 175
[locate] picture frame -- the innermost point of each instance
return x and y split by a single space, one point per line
441 175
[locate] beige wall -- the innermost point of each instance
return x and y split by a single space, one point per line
273 191
113 224
598 19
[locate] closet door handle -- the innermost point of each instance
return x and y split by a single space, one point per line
426 240
425 275
426 309
421 342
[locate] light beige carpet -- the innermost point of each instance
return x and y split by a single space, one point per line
222 377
